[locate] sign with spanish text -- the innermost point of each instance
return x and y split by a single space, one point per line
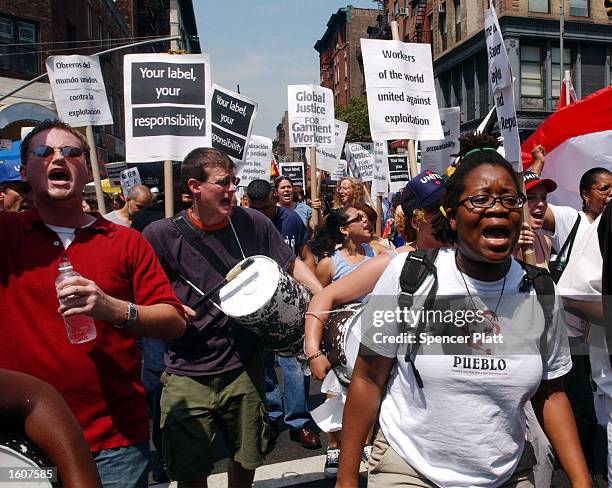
360 159
167 105
129 179
327 158
78 90
401 93
436 155
399 173
295 171
257 163
380 175
311 116
500 74
232 117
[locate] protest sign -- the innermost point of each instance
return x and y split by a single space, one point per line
339 172
401 94
311 116
78 90
327 158
500 74
113 172
295 171
399 174
232 117
257 164
129 179
167 112
436 155
508 127
360 159
380 176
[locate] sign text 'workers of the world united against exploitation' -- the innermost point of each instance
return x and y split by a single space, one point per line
311 116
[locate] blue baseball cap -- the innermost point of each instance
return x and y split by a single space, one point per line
423 190
9 171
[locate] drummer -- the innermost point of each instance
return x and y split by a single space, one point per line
214 377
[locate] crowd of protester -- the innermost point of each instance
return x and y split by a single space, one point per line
416 413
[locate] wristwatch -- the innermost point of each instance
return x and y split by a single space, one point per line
131 315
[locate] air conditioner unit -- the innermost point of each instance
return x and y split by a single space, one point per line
403 11
442 8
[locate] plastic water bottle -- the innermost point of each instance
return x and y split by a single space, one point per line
80 328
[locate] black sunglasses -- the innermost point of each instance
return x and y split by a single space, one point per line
226 181
359 217
67 151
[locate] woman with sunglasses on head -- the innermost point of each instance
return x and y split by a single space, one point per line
457 419
349 191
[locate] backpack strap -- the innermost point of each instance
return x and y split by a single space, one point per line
417 267
564 254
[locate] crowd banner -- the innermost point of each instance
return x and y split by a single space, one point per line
113 172
295 171
436 155
327 158
401 94
360 158
167 105
502 86
78 90
399 174
339 171
232 117
129 179
258 158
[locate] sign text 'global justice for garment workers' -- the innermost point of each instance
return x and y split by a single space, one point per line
166 105
78 90
311 116
360 159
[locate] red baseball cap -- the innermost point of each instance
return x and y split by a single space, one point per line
531 179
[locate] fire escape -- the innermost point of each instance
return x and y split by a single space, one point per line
419 7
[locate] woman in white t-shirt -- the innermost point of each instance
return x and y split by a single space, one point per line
452 415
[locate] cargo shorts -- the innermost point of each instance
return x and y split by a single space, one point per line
194 408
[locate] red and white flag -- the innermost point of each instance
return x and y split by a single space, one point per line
566 86
577 138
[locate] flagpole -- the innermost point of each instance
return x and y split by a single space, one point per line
561 57
313 183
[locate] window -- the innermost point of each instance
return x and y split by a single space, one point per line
445 87
470 96
592 68
89 22
579 8
443 31
457 20
395 8
458 87
555 69
482 73
430 21
538 6
18 46
100 33
532 91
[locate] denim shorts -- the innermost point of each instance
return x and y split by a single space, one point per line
123 467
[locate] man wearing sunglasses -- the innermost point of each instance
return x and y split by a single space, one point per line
214 379
122 287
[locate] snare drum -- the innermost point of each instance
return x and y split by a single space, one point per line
267 301
341 339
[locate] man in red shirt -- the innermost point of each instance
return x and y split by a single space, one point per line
122 287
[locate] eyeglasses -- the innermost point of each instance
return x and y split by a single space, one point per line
66 151
226 181
511 202
360 217
603 189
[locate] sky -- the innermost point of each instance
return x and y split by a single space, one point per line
263 46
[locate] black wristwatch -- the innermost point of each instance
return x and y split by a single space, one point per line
131 315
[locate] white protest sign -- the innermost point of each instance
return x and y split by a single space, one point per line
232 117
258 158
401 94
311 116
436 155
113 173
399 174
294 171
380 176
78 90
339 172
360 156
508 127
327 158
167 105
500 74
129 179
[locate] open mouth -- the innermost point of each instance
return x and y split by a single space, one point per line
226 202
59 175
496 234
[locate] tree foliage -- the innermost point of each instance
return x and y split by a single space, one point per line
356 114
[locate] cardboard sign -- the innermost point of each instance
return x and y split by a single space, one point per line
232 117
295 171
327 158
360 159
401 93
257 164
113 173
500 74
311 116
380 176
167 105
129 179
436 155
339 172
399 174
78 90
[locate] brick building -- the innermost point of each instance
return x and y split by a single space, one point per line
339 52
281 148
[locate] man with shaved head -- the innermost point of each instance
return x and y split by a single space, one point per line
139 198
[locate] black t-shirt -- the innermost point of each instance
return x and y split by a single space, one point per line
213 343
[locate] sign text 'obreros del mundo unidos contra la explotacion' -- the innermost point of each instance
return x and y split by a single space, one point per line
311 116
258 159
167 112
